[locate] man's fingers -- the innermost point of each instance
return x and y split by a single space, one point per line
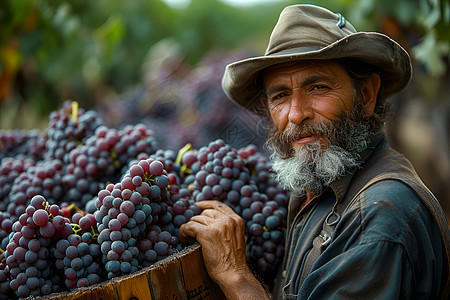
201 219
189 231
214 204
208 204
212 213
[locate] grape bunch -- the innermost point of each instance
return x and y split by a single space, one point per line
242 179
47 245
68 127
261 169
78 254
17 143
10 169
181 205
127 214
266 220
221 176
83 169
45 178
28 251
103 157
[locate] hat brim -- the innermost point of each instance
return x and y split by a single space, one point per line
393 62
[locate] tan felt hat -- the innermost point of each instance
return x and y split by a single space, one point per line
313 32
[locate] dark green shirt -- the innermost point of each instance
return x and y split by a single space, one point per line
386 246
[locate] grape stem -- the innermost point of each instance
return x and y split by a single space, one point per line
74 116
73 206
183 150
184 169
76 228
94 233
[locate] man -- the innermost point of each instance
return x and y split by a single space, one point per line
361 224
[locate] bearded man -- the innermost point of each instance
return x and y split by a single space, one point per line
361 224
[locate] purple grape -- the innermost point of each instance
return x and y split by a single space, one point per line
156 168
71 252
128 208
161 248
114 225
118 247
272 222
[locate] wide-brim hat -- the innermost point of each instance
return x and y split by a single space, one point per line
312 32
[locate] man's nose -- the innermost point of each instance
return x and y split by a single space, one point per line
300 109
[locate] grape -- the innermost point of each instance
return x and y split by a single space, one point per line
156 168
114 224
85 222
272 222
113 266
128 208
58 222
23 291
82 282
28 232
211 179
161 181
93 278
71 252
126 194
31 272
87 237
137 170
48 230
31 257
161 248
70 273
19 253
155 192
139 216
76 263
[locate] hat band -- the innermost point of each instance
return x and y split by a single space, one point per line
295 51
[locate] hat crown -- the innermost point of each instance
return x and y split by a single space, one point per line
307 26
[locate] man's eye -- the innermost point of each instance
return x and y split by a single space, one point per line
319 87
279 96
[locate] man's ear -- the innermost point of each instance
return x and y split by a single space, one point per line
262 100
370 94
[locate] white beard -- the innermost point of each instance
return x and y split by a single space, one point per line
312 168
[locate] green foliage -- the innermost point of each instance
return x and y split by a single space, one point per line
56 50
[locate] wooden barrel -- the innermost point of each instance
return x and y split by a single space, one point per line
180 276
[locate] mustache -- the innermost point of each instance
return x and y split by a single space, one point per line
281 141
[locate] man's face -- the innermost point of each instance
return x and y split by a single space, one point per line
318 128
307 93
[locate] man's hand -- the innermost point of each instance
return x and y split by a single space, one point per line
221 232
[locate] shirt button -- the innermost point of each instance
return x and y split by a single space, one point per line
283 274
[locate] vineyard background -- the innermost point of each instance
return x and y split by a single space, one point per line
147 62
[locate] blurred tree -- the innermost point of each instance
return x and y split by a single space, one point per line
51 51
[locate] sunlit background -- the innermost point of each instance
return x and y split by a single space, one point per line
160 63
